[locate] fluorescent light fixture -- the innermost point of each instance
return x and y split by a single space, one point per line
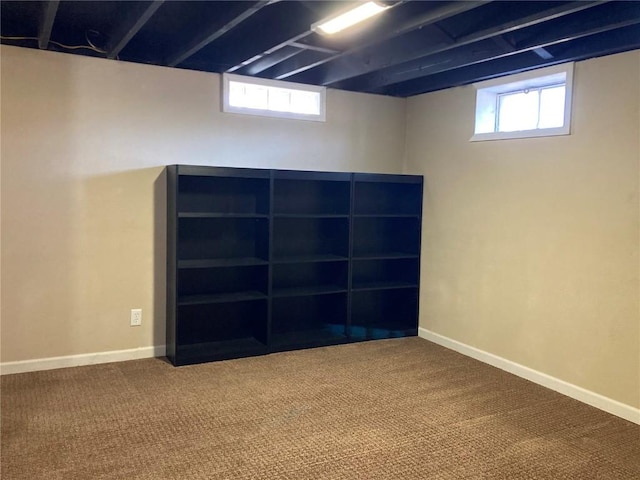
349 18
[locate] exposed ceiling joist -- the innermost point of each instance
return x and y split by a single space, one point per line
625 14
365 63
256 57
285 52
231 55
264 60
411 48
441 12
599 45
49 11
306 46
264 63
543 53
504 43
214 33
299 62
131 25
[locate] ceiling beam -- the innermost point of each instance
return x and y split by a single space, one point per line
446 34
247 64
543 53
269 61
439 13
621 15
504 43
257 57
369 60
131 25
305 58
46 23
279 55
217 31
347 66
622 40
306 46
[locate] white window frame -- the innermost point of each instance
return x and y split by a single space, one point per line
226 107
488 94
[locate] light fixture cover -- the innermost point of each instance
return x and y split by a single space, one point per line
348 18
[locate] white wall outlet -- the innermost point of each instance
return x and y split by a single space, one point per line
136 317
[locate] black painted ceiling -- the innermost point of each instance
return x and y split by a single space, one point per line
411 48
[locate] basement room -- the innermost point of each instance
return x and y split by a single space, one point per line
304 240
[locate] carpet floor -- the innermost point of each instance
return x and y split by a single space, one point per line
391 409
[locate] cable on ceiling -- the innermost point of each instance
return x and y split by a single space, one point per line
91 46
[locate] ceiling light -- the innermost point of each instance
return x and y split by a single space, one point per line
349 18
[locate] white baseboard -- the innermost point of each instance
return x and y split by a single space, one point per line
606 404
80 360
583 395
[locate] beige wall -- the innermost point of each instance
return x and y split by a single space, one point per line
84 141
530 247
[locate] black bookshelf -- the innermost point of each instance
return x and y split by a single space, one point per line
310 272
261 261
385 254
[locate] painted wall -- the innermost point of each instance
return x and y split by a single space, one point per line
84 142
530 247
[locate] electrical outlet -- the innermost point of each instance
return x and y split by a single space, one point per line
136 317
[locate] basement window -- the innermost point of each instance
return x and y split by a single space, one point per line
530 104
272 98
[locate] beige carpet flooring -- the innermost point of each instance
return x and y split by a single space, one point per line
392 409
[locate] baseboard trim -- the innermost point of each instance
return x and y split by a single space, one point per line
578 393
583 395
51 363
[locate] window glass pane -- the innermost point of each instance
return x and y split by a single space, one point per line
305 102
257 97
279 100
236 94
552 107
518 111
524 105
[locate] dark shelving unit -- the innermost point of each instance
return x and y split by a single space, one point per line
311 194
386 237
217 331
373 274
387 223
223 238
377 194
384 313
309 321
217 263
213 285
309 237
311 277
261 261
310 274
224 192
